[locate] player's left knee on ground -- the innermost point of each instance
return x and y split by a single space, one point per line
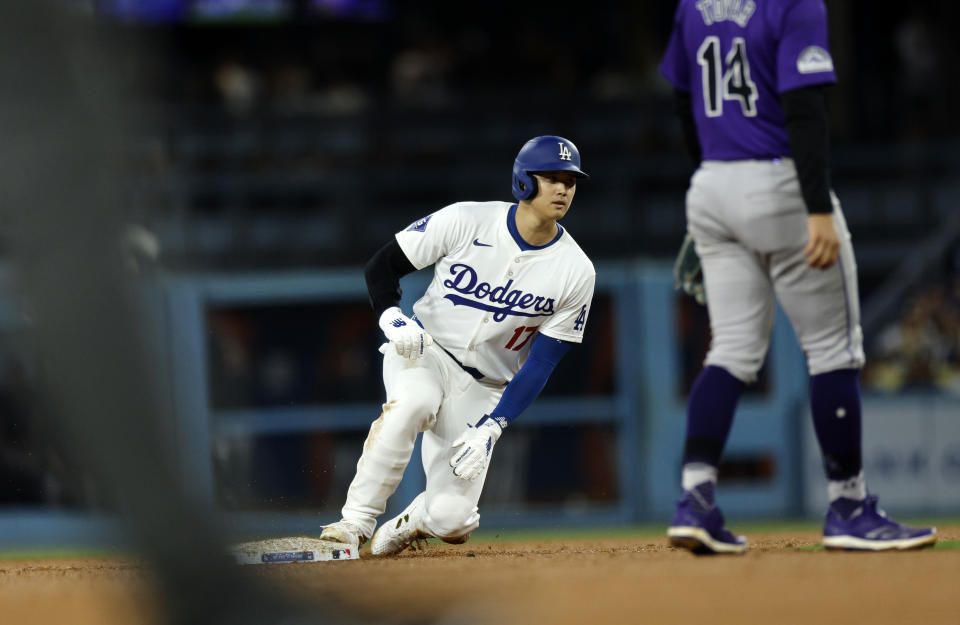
459 540
451 518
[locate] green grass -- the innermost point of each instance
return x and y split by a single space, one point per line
53 553
566 533
659 529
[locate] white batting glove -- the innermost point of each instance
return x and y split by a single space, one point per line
477 447
407 336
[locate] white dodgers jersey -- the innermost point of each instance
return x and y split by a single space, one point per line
489 296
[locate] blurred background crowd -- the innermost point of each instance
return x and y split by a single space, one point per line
301 134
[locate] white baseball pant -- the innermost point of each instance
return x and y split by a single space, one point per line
433 395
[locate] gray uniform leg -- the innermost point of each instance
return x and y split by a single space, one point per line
750 227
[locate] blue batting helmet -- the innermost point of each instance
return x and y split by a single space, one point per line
546 153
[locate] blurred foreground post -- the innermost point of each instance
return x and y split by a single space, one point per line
63 114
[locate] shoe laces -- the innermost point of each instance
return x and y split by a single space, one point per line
871 503
701 502
351 527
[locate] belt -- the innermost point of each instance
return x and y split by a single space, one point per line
476 373
473 371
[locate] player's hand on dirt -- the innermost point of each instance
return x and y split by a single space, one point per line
474 448
824 244
406 335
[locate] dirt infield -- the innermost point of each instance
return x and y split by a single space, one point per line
623 580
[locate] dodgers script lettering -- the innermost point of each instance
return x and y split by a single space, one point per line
466 282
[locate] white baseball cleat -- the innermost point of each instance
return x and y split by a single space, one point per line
400 532
343 531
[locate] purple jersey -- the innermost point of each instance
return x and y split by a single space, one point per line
736 57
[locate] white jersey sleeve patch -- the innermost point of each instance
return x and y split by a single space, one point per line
428 239
813 60
568 323
420 225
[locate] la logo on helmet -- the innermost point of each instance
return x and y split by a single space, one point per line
564 152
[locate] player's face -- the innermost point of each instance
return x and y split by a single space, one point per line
556 193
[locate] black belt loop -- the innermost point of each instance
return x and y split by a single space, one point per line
472 371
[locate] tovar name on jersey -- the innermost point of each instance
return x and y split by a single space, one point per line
465 281
738 11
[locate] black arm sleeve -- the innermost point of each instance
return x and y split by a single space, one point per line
383 272
683 108
806 121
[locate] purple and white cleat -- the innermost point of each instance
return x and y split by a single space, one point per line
861 525
698 525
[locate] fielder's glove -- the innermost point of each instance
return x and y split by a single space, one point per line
406 334
477 445
687 272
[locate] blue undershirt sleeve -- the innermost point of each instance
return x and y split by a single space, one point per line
526 385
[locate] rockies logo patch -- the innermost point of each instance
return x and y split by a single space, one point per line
814 59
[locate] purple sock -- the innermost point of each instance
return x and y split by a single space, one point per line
835 404
710 409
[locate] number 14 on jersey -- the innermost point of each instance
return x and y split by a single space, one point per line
734 84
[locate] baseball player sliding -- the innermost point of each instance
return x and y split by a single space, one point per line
510 294
749 77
